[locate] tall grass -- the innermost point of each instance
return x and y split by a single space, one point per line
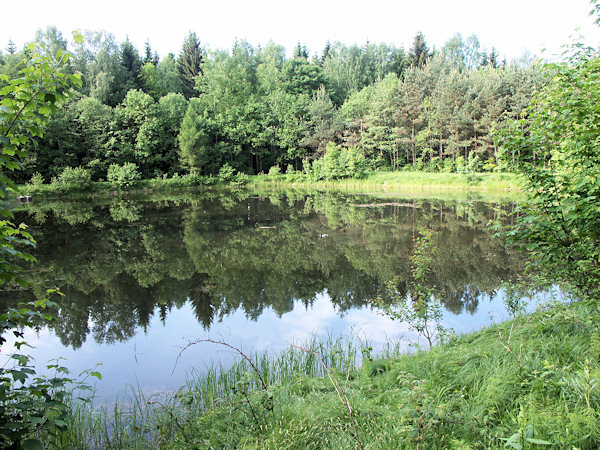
141 420
401 181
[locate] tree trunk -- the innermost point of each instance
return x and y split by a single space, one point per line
412 141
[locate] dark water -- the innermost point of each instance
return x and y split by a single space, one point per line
139 276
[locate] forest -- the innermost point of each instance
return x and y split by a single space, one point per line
253 109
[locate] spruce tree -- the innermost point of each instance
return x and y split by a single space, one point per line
189 65
419 53
326 53
129 59
301 51
147 53
11 48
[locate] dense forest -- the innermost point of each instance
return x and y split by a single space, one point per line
255 109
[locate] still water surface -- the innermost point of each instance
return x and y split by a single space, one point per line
141 276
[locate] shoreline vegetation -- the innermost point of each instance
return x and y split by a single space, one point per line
412 183
528 382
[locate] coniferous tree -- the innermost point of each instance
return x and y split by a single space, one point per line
11 48
326 53
301 51
129 59
147 53
189 65
149 56
493 58
419 53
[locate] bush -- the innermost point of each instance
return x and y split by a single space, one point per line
447 166
433 165
339 162
75 176
274 170
554 145
36 179
122 177
226 173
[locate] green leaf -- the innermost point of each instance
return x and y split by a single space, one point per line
539 441
32 444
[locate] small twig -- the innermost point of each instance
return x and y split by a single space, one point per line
510 350
341 395
251 409
212 341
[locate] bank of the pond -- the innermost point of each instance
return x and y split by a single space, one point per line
404 181
533 381
424 183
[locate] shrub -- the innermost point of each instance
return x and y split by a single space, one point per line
226 173
122 177
275 170
448 165
339 162
75 176
36 179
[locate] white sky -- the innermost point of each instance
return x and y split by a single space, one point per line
512 26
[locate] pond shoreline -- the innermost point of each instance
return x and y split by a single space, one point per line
386 182
508 382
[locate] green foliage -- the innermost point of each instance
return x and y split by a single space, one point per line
30 405
75 176
338 162
189 65
554 146
254 109
226 173
124 176
37 179
274 171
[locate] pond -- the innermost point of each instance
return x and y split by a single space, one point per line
141 276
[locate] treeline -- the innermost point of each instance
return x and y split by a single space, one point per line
252 109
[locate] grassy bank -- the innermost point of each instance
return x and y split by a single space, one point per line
410 183
398 182
527 383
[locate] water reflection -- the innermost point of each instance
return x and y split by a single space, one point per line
123 263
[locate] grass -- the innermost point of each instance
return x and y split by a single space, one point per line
405 181
527 383
409 183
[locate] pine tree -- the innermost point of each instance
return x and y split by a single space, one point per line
419 53
189 65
